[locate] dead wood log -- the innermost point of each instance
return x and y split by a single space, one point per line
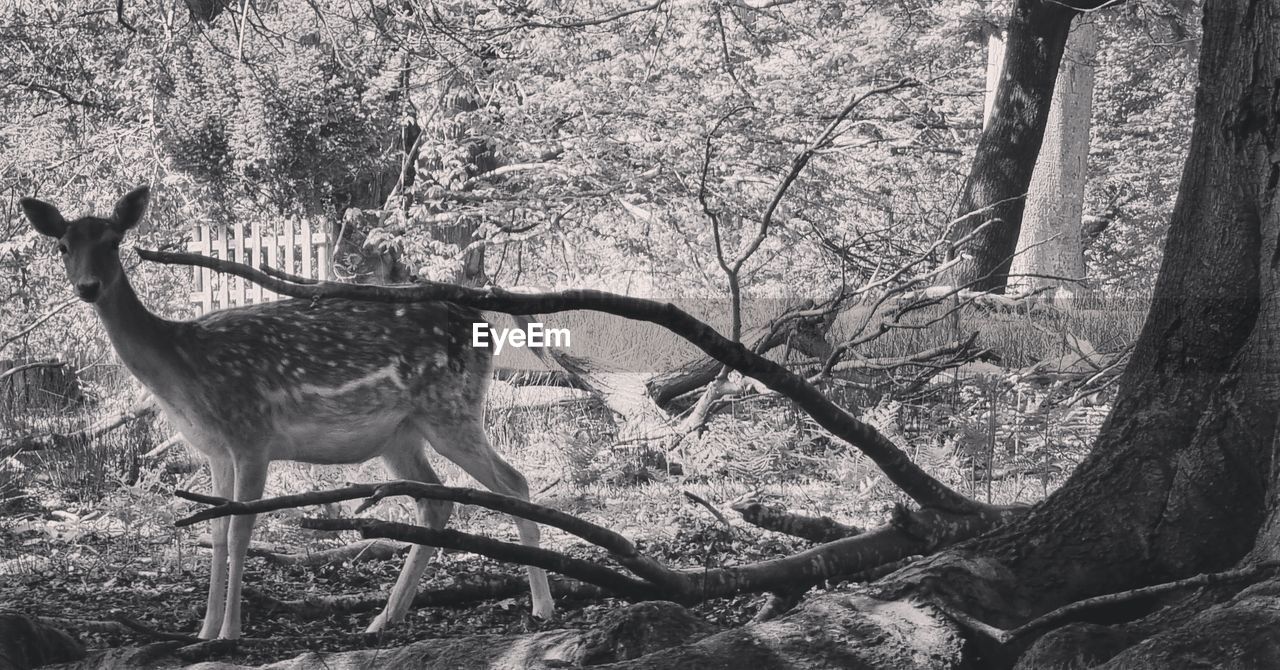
807 337
460 592
776 518
356 552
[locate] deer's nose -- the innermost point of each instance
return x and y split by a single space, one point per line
89 290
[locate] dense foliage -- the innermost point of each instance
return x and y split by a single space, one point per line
580 144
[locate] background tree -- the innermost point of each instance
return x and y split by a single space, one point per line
1050 249
993 201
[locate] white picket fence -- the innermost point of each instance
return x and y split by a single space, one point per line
295 247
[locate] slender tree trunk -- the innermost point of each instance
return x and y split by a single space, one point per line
997 185
1049 246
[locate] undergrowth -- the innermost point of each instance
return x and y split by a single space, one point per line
72 516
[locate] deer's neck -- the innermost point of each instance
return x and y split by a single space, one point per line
144 341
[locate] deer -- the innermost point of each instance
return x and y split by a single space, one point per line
326 382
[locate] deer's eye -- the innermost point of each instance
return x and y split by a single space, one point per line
62 249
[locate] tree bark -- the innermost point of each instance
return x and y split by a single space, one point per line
1050 252
1183 472
1006 154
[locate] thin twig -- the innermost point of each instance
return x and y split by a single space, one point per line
710 508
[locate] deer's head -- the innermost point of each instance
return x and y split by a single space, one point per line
90 246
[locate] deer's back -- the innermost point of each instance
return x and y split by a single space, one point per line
310 369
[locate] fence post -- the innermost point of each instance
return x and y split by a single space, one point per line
253 245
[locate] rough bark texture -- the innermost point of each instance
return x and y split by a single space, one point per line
1181 475
26 643
1049 244
1006 154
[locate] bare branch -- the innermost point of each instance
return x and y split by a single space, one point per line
778 519
36 324
910 533
585 23
622 585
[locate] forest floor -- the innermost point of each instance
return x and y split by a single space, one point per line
93 561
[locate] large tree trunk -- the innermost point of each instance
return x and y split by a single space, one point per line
1007 151
1050 252
1180 477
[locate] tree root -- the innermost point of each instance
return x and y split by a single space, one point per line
1073 610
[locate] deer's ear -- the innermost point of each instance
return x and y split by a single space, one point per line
130 208
44 217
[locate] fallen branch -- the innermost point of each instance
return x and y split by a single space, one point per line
911 533
776 518
36 323
356 552
82 625
953 350
699 500
461 593
806 336
374 493
173 441
51 441
624 586
51 363
153 633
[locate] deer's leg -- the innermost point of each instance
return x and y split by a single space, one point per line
250 477
406 458
221 472
464 442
